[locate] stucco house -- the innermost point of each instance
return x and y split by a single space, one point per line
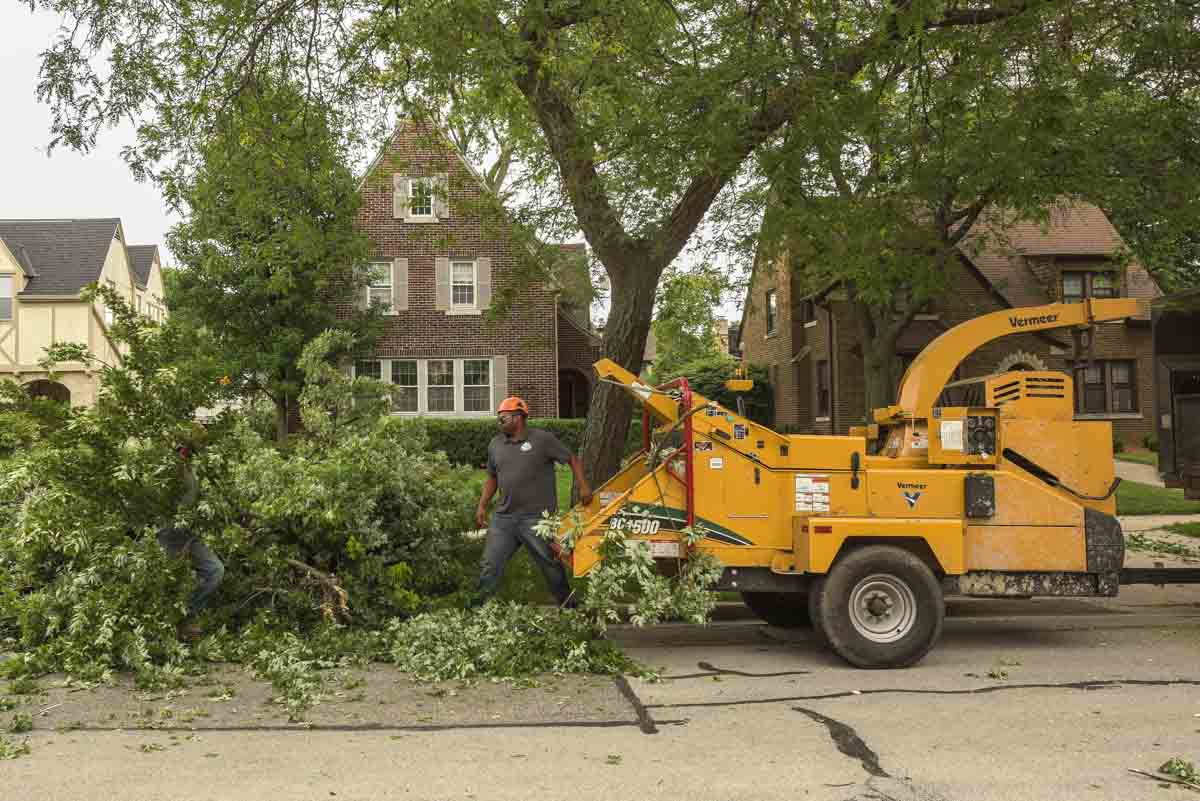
44 264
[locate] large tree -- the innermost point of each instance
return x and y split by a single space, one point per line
632 118
268 251
949 143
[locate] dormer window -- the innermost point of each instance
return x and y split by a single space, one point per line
1080 284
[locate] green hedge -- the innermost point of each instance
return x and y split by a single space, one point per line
466 441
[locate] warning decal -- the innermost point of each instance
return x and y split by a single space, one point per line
703 446
740 431
812 493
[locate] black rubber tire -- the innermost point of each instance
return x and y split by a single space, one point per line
787 610
896 565
815 587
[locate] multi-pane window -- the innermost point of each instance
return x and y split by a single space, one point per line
404 381
434 386
369 368
808 311
440 389
420 197
462 284
1078 284
477 385
1104 387
379 291
6 297
772 311
823 397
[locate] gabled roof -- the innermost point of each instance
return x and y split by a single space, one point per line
63 256
142 258
998 248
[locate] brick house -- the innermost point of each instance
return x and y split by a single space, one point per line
809 342
439 259
44 264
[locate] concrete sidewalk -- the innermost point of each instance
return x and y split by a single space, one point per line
1141 473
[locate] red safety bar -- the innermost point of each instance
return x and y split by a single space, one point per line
689 481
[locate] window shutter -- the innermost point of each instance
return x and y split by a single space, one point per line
442 289
483 275
399 285
400 206
499 379
441 197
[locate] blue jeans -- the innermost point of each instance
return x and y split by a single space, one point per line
209 570
506 534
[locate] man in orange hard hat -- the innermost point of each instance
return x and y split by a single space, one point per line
521 464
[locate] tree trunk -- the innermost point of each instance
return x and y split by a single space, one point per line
879 329
625 343
879 356
281 420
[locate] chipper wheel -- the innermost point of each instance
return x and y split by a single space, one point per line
787 610
879 607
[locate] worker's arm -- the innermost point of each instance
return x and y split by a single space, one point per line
489 489
585 490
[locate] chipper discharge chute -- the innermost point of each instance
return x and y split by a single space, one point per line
1005 494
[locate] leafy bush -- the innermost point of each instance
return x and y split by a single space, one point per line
1118 444
1150 442
708 377
465 442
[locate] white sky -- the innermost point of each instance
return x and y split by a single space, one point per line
65 184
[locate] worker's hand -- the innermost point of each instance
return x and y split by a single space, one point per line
585 497
481 517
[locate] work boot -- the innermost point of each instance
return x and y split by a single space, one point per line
190 632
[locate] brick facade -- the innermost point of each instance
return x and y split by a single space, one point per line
521 347
824 330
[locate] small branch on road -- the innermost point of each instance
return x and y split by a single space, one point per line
1158 777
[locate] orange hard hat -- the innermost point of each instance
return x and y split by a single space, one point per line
514 404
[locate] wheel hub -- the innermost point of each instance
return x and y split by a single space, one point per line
882 608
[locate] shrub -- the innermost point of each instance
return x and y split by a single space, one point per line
465 442
708 377
1150 442
1118 444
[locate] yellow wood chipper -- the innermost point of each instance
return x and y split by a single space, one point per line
1000 493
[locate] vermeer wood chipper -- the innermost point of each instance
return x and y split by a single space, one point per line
1003 494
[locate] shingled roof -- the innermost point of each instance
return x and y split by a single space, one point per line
61 256
1000 248
142 257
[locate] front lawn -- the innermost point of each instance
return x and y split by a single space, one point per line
1141 457
1143 499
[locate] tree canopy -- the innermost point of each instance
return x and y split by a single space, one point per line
635 122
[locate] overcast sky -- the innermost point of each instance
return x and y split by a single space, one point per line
65 184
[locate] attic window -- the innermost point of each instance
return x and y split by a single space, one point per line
420 193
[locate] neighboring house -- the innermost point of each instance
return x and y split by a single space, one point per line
437 264
809 343
43 266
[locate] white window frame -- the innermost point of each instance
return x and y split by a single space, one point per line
430 184
381 269
489 385
474 304
416 387
459 372
8 294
